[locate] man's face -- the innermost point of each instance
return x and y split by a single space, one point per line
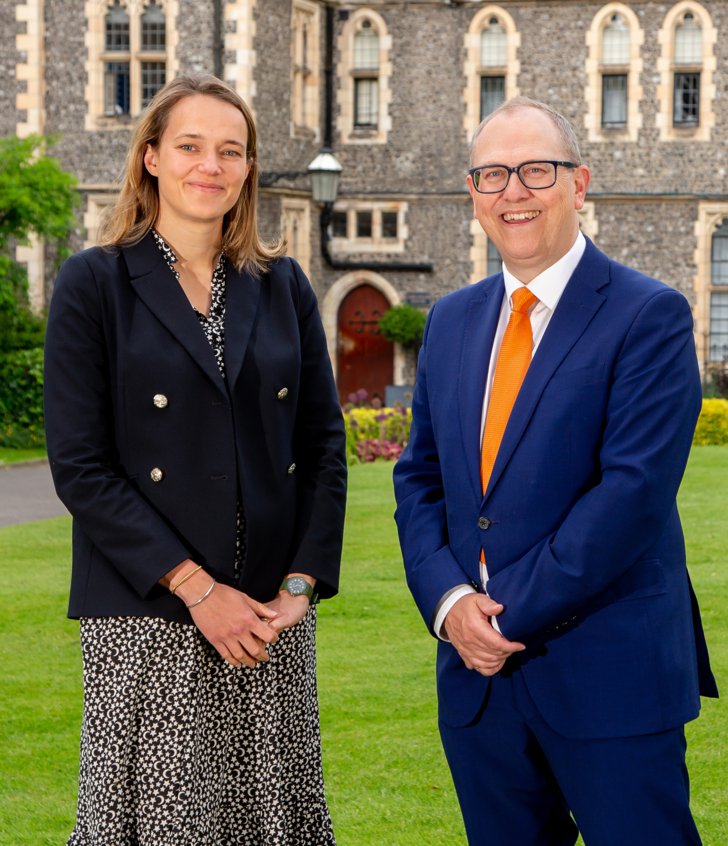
532 229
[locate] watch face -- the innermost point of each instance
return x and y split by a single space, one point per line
297 586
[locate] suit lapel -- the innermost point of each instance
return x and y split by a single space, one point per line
579 303
481 322
242 296
158 289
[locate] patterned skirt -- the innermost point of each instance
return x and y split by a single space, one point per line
178 748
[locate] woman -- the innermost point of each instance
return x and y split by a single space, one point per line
195 436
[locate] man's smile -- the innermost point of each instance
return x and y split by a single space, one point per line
518 217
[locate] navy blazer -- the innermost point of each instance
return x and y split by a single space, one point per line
579 523
120 332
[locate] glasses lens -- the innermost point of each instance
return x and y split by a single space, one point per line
490 179
537 174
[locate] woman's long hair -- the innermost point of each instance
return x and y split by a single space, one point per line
137 206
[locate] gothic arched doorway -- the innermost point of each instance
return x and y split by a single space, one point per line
364 355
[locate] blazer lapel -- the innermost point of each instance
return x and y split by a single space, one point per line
158 289
579 303
242 293
481 322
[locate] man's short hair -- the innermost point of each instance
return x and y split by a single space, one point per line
566 130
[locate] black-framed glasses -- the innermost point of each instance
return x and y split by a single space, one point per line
537 175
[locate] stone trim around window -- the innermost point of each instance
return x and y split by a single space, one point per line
348 133
31 46
595 70
474 72
377 219
305 69
96 205
239 40
98 57
666 68
296 228
710 216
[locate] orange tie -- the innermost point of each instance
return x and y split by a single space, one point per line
510 370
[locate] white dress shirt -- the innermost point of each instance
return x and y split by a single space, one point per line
548 287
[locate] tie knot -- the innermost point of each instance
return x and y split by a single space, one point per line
522 300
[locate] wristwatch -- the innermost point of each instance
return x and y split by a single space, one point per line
298 586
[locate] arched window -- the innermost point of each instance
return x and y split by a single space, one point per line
493 63
687 63
117 67
152 52
364 72
615 68
366 76
718 344
688 59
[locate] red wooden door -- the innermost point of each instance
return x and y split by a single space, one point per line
364 355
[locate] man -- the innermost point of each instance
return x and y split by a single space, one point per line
552 420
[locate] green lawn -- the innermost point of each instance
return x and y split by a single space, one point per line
387 781
11 456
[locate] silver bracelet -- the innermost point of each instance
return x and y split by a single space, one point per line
204 595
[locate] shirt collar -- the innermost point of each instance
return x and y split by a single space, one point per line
171 256
549 285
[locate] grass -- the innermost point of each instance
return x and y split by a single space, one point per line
387 781
11 456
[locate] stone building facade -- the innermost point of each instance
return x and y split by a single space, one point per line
644 82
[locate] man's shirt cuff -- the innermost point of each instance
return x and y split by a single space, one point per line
444 606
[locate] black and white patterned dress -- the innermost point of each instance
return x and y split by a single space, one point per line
178 748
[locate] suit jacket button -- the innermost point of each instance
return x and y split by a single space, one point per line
156 474
483 523
160 401
283 393
292 468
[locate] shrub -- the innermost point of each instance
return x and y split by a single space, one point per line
373 433
715 383
21 399
403 324
712 425
20 329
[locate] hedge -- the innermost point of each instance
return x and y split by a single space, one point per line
373 433
21 399
712 425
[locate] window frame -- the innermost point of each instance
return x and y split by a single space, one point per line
107 109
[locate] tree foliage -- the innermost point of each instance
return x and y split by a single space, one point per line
36 194
37 197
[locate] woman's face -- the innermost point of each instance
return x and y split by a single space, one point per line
200 162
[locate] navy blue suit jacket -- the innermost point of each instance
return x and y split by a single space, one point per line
583 540
120 331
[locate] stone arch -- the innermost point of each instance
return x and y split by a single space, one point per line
335 296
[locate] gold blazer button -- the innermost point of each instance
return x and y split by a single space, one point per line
283 393
156 474
160 401
292 469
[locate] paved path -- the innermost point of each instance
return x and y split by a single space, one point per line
26 493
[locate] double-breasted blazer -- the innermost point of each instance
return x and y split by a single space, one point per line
579 523
151 449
